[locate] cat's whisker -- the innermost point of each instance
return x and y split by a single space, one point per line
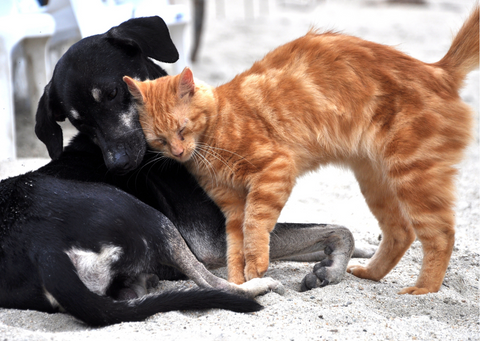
150 163
210 150
208 166
166 161
199 161
158 156
216 156
233 153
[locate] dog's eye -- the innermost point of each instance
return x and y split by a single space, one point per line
112 94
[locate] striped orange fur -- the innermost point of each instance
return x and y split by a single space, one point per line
397 122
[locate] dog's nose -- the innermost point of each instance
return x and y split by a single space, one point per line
121 162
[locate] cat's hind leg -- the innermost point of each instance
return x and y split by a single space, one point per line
397 231
428 200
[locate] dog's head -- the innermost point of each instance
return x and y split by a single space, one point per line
87 88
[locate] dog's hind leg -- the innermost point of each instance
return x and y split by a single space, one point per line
183 259
330 245
63 286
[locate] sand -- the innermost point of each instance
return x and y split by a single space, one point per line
355 309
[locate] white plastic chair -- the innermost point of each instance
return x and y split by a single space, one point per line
176 17
88 17
32 30
97 16
66 27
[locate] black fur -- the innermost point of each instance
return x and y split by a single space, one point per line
44 216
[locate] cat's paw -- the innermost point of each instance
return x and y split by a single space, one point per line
414 291
324 273
362 272
236 278
256 269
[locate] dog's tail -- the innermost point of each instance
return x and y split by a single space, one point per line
106 311
463 55
71 294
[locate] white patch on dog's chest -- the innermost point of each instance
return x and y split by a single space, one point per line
94 269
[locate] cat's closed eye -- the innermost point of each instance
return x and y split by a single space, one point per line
180 134
162 141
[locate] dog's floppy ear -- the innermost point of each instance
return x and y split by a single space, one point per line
149 34
46 127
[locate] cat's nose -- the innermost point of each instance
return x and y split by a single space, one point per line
177 152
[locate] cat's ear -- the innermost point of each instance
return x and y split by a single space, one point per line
134 88
186 84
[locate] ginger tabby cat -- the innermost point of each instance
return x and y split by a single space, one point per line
397 122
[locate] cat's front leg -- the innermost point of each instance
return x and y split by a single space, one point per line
235 253
233 207
257 249
265 200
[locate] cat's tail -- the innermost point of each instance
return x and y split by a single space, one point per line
463 55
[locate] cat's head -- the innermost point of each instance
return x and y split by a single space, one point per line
166 113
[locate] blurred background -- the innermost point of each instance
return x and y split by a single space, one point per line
216 38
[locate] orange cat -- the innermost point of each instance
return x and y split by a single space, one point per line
398 123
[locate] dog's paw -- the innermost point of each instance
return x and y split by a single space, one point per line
261 286
152 281
324 273
126 294
273 285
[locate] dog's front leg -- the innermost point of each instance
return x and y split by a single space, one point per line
330 245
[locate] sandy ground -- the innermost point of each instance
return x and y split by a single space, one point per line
354 309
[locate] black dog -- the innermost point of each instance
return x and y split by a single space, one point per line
72 238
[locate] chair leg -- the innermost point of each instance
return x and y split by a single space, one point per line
199 8
36 58
7 112
177 32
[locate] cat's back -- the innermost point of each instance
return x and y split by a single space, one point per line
316 72
315 49
333 54
344 71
